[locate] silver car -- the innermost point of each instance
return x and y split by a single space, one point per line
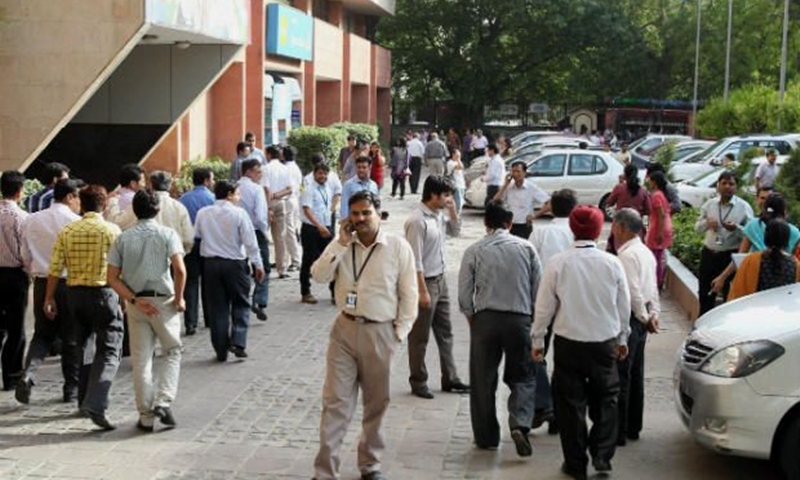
737 378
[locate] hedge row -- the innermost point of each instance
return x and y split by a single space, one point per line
328 141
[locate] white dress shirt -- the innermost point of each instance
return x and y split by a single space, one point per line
276 177
737 211
387 288
172 214
333 182
639 264
495 171
552 238
297 178
39 233
415 148
523 199
225 231
585 295
254 201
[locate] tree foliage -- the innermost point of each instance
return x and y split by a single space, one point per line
751 109
485 52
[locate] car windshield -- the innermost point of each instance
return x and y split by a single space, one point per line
697 157
704 179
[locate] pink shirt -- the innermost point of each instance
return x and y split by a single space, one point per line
659 202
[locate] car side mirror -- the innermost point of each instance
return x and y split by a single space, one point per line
716 162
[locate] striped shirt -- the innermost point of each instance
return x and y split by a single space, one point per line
40 200
143 254
11 220
82 248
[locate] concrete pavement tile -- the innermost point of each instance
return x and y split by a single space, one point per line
83 471
132 472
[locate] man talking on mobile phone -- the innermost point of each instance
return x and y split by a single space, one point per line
376 289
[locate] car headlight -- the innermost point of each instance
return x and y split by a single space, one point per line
742 359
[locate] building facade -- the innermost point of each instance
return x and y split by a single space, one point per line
308 62
96 84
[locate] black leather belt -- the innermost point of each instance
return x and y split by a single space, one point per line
358 319
152 293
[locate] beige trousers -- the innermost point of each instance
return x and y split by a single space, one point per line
278 227
359 355
293 230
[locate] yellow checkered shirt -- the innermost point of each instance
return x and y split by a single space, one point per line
82 248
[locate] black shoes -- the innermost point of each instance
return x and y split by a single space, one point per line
22 391
573 472
422 392
165 415
191 331
633 436
101 421
259 311
600 465
145 428
522 442
238 351
456 387
377 475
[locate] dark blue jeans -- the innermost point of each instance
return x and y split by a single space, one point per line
261 290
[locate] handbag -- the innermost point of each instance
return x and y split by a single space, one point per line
407 172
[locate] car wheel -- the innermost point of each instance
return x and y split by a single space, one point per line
788 458
607 211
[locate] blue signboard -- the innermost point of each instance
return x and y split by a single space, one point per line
290 32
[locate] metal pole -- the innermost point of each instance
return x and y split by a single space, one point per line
783 59
728 52
696 68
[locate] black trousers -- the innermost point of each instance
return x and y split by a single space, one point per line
521 230
227 286
193 293
586 375
401 183
98 328
313 246
631 382
491 191
13 302
711 265
46 332
492 335
416 169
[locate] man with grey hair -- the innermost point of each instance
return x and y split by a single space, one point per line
639 265
172 213
435 155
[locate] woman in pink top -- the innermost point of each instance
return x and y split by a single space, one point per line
628 194
659 234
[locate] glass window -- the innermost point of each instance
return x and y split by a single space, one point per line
548 166
581 164
600 166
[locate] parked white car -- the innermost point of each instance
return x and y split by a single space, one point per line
696 191
713 156
591 174
736 385
525 138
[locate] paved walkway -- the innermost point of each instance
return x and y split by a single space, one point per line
258 419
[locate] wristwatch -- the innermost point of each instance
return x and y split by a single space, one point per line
132 301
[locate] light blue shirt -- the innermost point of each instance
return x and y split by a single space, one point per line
254 201
318 198
225 231
353 186
196 199
143 254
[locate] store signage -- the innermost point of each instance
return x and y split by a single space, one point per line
290 32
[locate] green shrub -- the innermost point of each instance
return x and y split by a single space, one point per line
686 242
753 108
220 167
311 140
30 187
365 132
665 156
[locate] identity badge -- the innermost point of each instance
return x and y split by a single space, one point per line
350 301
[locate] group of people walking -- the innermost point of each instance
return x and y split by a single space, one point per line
131 262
